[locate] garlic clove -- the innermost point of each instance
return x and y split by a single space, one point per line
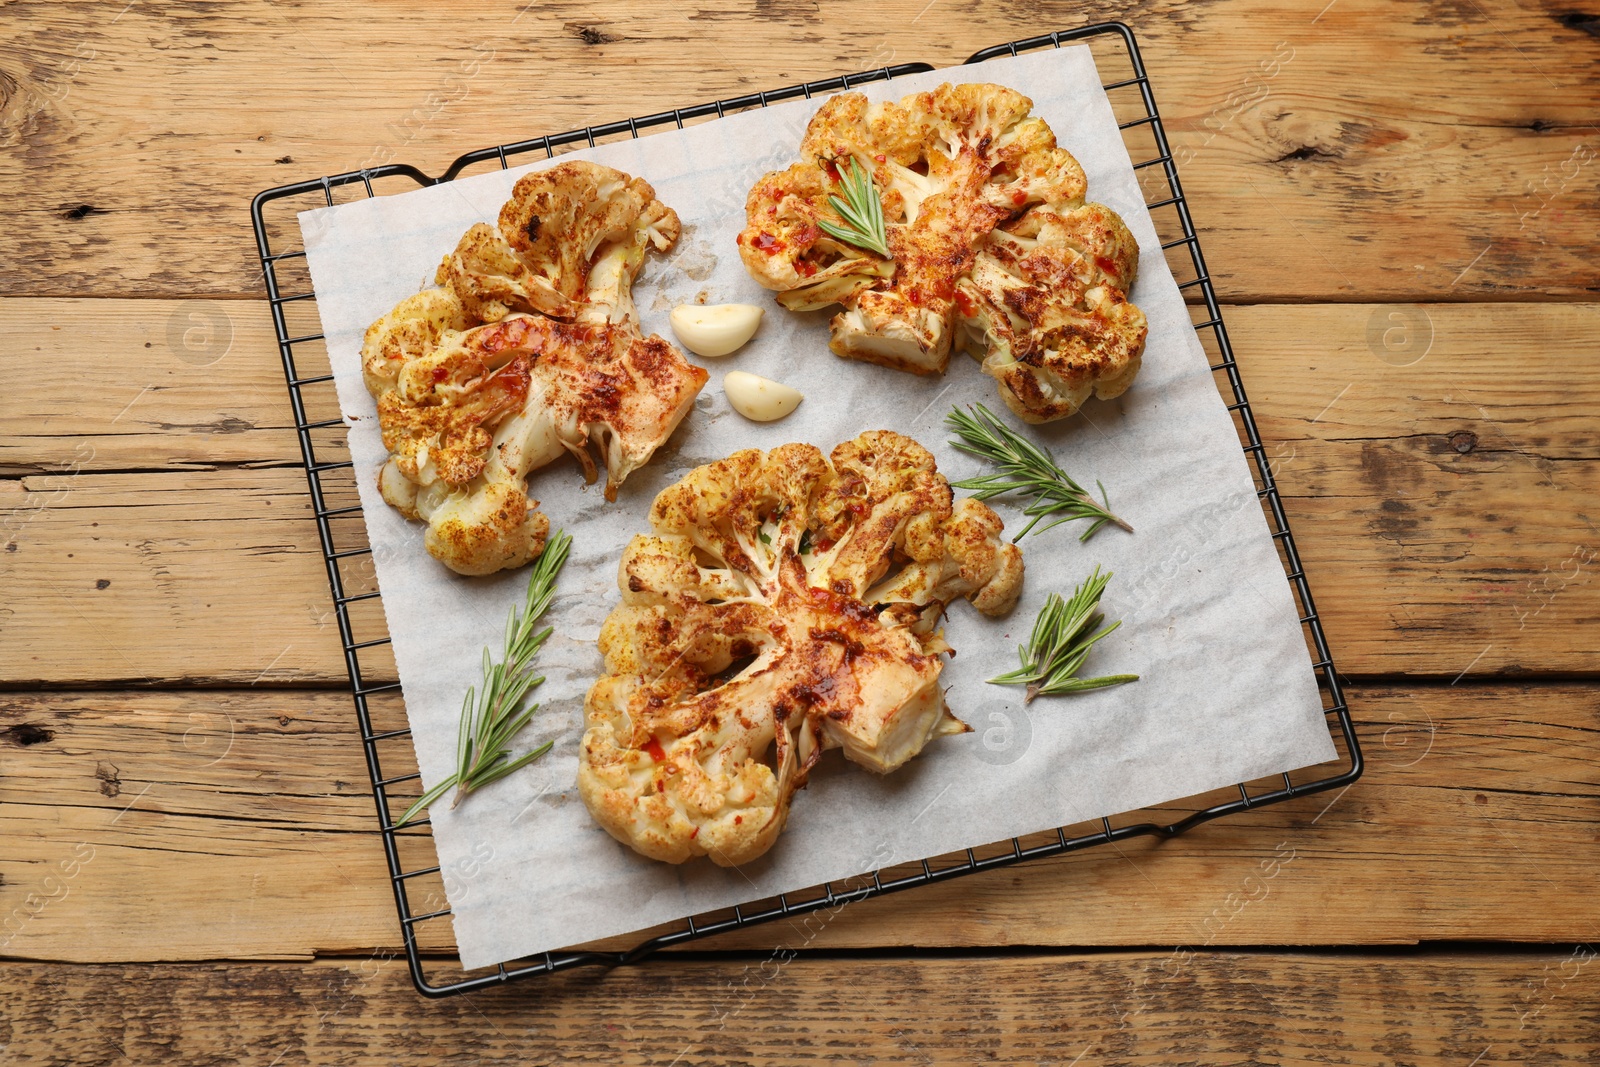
759 399
715 329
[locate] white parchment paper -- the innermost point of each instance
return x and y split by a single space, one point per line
1227 692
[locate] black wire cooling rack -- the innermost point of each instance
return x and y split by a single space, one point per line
419 883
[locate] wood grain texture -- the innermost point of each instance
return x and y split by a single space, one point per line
1438 463
237 824
1441 490
1123 1008
1414 490
1320 150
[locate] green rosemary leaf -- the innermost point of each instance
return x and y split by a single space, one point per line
493 714
860 211
1062 637
426 799
496 773
1084 685
1025 468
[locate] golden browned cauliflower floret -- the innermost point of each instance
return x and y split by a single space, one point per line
784 600
528 348
993 247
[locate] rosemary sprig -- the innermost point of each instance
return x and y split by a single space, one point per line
861 212
490 721
1027 468
1062 636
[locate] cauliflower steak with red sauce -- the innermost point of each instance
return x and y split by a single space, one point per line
993 247
785 603
528 348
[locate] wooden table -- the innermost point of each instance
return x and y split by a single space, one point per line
188 872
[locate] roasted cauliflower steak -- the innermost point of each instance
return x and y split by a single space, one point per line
994 248
528 347
785 603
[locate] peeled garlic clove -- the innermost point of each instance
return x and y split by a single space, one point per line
759 399
715 329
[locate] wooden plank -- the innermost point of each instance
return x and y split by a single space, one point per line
151 577
1440 499
197 385
1321 150
1035 1009
1414 489
235 824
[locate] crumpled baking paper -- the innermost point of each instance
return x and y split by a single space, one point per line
1226 693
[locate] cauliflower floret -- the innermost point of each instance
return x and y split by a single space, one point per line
528 348
993 248
785 603
413 328
1048 319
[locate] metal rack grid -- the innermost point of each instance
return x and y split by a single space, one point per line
310 395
